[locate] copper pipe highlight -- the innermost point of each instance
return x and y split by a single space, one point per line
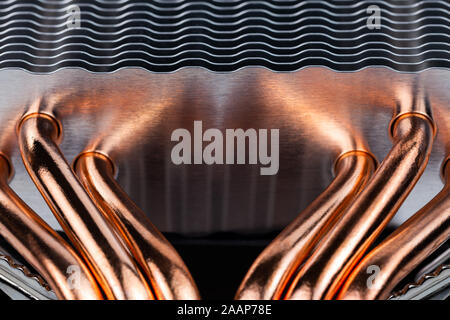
169 276
103 251
42 247
270 272
403 250
339 251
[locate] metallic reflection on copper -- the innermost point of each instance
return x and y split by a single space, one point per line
86 227
42 247
276 264
403 250
103 105
327 131
165 269
326 270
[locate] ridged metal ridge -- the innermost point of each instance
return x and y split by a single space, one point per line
420 282
164 36
25 271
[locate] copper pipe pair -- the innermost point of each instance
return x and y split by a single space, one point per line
129 257
404 249
340 250
103 251
41 246
275 266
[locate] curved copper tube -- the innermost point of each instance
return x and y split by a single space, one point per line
160 262
328 267
269 273
403 250
42 247
103 251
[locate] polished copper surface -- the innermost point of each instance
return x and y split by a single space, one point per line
42 247
160 262
328 267
272 269
130 115
403 250
108 259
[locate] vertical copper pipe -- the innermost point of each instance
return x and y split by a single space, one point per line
42 247
275 265
109 260
403 250
327 268
170 278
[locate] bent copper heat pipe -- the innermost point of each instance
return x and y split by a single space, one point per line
275 265
325 271
41 246
105 254
169 276
404 249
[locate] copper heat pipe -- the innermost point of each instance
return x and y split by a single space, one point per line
105 254
404 249
41 246
169 276
412 130
276 264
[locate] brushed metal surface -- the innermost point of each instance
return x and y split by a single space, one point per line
130 114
